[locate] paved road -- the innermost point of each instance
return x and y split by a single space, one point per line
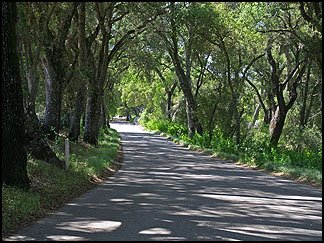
166 192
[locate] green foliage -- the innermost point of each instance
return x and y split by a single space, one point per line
254 151
166 126
311 138
231 35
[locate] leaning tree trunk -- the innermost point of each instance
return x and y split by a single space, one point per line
14 156
276 125
169 104
278 119
169 100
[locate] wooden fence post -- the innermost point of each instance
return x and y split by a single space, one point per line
67 153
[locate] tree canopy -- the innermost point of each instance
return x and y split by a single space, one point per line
239 70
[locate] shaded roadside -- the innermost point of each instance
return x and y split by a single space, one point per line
167 192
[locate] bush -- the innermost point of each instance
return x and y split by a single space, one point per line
177 130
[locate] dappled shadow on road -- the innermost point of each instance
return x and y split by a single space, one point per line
167 192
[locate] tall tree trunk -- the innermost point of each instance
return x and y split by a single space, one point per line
91 119
37 145
14 156
91 130
53 92
95 92
55 76
233 111
103 112
80 101
192 119
184 78
79 109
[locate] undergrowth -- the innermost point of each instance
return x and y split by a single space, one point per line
303 165
52 186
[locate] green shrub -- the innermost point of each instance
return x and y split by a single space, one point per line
253 150
175 129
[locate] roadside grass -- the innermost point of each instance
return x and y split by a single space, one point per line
51 186
301 166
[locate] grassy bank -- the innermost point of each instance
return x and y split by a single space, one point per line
304 166
51 186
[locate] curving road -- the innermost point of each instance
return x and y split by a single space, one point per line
166 192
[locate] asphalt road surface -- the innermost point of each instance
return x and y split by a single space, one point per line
166 192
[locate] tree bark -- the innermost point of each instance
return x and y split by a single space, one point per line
91 130
53 94
37 144
276 126
255 116
96 83
103 115
192 119
184 77
282 108
169 100
80 101
169 104
14 160
79 109
55 76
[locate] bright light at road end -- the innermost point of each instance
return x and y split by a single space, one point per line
155 231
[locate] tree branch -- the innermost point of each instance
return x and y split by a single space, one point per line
251 63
